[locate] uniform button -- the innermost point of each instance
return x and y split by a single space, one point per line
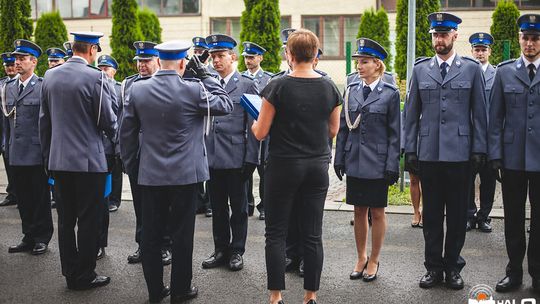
530 129
363 122
530 116
363 131
362 142
531 91
443 121
444 109
530 104
444 87
364 111
444 98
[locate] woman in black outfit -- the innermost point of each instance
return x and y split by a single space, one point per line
367 151
300 111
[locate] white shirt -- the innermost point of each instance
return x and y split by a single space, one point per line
25 83
449 61
527 62
372 85
227 78
253 74
85 61
484 67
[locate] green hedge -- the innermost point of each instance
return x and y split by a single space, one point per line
50 32
504 27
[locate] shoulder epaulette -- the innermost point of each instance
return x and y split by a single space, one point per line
143 78
276 75
117 83
93 67
268 73
11 80
131 76
390 85
389 73
3 78
354 83
506 62
421 59
191 79
247 76
40 78
351 73
470 59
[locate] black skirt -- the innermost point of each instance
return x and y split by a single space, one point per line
367 192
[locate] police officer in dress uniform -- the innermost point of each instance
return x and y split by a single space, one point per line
232 158
170 109
445 130
11 72
481 50
514 146
55 56
20 104
253 56
73 116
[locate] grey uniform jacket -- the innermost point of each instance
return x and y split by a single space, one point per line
387 77
262 78
75 111
22 132
228 144
373 147
446 120
125 89
514 117
109 144
171 111
3 122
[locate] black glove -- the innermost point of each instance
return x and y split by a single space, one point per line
197 68
497 166
478 160
412 162
340 171
391 177
247 171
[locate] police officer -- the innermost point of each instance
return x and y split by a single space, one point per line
11 72
20 104
481 50
445 130
170 110
387 77
513 151
72 145
231 158
55 56
253 56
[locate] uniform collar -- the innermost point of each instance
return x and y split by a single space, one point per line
372 85
254 74
227 78
449 61
485 66
527 62
79 57
25 83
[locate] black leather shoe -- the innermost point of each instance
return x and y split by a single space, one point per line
280 302
262 216
165 292
370 277
100 253
430 279
22 247
508 283
113 208
311 302
208 212
236 262
355 275
192 293
7 202
166 257
454 280
471 224
484 226
215 260
135 257
301 268
39 248
98 281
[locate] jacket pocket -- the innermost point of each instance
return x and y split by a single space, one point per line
382 148
424 131
463 89
463 131
427 91
510 93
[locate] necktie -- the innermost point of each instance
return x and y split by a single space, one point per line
366 92
531 68
444 65
21 88
222 81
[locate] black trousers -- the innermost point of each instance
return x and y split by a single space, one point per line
251 198
203 201
226 186
445 186
136 194
104 222
34 203
286 181
487 194
294 248
79 203
10 188
515 186
157 204
116 191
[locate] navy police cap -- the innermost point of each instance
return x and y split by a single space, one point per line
173 50
25 47
68 47
55 53
285 34
88 37
252 49
106 60
145 50
220 42
319 53
529 23
8 58
199 43
481 39
370 48
443 22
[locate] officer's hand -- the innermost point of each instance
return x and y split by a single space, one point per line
497 166
340 171
247 171
391 177
412 162
197 68
478 160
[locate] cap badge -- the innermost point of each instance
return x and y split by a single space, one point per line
532 18
18 42
361 42
481 35
439 17
214 38
141 45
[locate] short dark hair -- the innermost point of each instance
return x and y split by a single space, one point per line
303 45
81 47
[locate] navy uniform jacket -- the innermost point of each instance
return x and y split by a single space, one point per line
387 77
109 144
124 93
3 121
228 145
262 78
73 117
446 120
514 124
373 147
489 77
22 132
171 111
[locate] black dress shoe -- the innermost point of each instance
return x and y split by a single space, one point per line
208 212
215 260
135 257
113 208
236 262
370 277
301 268
454 280
100 253
431 278
192 293
7 202
98 281
508 283
262 216
166 257
484 226
311 302
39 248
355 275
22 247
471 224
280 302
165 292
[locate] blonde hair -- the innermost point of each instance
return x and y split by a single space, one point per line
381 68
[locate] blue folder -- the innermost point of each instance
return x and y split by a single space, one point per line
252 103
108 184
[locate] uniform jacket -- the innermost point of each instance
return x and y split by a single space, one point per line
228 144
109 144
489 77
514 117
262 78
171 111
69 129
446 119
373 147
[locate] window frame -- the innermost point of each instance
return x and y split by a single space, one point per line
520 4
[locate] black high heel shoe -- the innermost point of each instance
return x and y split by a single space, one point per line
355 275
371 277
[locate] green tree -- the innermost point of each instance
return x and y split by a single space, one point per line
125 31
150 26
374 25
26 18
50 32
246 29
14 24
423 37
504 27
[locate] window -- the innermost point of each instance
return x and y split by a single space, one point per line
171 7
284 22
226 26
333 32
390 5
